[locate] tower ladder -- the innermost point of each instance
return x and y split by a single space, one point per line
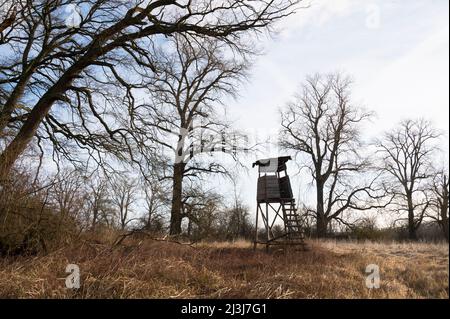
292 223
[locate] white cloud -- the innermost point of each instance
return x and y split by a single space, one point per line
316 13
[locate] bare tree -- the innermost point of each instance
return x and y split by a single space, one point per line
68 195
123 197
323 124
156 203
237 216
182 114
49 68
201 207
406 154
440 200
99 202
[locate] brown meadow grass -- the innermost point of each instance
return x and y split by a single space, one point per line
152 269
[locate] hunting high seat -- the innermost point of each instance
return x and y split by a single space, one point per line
275 201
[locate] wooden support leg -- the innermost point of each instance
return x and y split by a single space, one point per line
255 243
268 229
268 224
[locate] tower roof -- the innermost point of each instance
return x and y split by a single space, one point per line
272 165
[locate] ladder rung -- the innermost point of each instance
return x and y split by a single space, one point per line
292 222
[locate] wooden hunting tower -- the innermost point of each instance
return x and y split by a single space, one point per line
276 202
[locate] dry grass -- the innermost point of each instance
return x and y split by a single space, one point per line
147 269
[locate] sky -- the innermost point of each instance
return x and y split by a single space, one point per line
397 53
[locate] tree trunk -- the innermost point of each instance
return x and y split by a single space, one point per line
445 229
444 208
42 107
148 224
34 119
189 229
322 226
444 218
94 218
411 226
177 191
321 220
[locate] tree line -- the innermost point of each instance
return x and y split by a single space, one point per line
396 173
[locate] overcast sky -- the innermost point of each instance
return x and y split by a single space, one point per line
396 51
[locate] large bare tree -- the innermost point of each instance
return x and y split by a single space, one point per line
323 126
183 115
59 59
407 153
